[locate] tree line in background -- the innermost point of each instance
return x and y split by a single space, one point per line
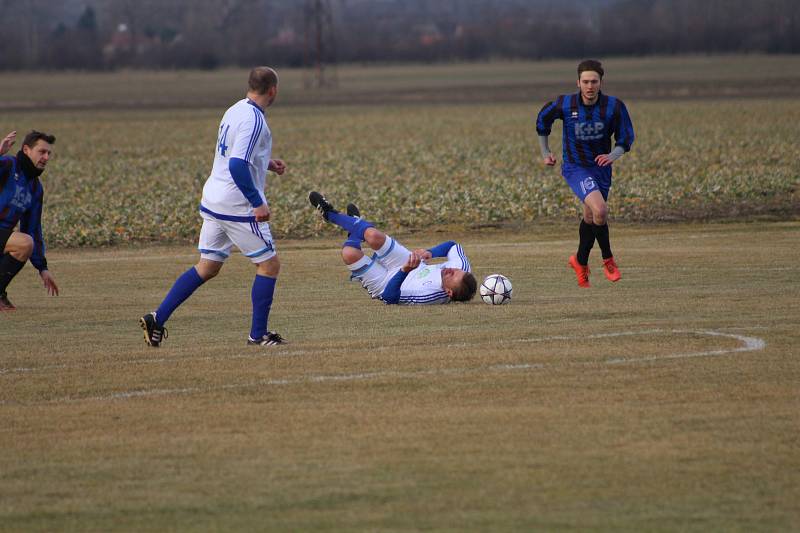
109 34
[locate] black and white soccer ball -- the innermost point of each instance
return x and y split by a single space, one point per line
496 290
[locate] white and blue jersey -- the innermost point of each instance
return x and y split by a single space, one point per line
244 135
382 277
236 186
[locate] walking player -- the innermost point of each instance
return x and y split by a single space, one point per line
235 211
21 197
394 274
590 118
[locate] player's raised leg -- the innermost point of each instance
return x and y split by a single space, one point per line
355 226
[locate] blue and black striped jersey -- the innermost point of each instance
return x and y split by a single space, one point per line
587 129
21 202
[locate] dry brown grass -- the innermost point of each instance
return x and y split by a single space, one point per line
674 77
399 419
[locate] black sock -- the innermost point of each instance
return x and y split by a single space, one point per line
601 233
9 267
586 242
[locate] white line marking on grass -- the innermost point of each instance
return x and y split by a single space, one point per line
748 344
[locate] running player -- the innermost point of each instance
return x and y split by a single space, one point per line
235 211
590 118
21 198
394 274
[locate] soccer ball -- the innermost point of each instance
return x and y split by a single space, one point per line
496 290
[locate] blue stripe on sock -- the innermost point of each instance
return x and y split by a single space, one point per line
391 247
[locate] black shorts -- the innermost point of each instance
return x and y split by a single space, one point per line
4 235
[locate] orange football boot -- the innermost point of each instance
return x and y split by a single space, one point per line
611 270
581 271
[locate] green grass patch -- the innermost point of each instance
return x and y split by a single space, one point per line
137 176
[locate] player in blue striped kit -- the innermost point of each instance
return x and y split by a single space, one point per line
21 198
235 211
394 274
590 119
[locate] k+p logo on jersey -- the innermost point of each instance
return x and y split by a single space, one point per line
22 197
589 131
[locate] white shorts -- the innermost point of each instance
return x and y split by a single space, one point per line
376 271
217 236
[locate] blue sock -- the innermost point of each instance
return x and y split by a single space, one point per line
183 287
352 242
353 225
261 294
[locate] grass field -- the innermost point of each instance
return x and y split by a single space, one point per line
668 401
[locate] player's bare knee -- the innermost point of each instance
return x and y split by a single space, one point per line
350 255
20 246
270 268
375 238
208 269
599 216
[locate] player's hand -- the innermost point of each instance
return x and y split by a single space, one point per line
603 160
277 166
412 263
550 160
8 142
49 282
262 213
423 254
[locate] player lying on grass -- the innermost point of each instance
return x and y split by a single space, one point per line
393 273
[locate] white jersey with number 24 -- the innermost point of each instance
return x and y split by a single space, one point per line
244 134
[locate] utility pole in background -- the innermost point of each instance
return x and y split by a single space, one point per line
319 45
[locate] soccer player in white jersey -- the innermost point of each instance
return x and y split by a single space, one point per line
393 273
235 211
